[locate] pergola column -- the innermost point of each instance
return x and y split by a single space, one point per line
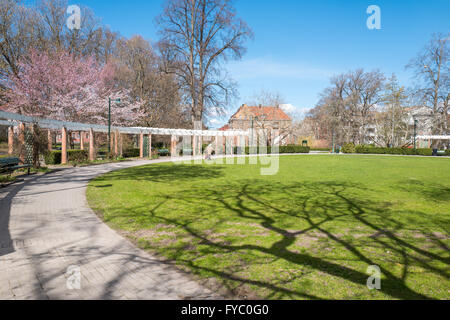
91 145
111 143
121 144
63 145
194 146
150 146
116 143
217 146
81 140
50 140
141 145
10 140
22 142
173 146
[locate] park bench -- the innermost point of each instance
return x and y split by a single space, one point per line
9 165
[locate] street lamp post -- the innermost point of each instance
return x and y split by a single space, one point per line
415 133
109 122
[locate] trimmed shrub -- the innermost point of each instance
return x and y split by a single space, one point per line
321 149
54 157
132 153
294 149
396 151
163 152
77 156
349 148
281 150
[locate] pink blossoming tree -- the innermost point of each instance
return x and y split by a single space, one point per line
64 87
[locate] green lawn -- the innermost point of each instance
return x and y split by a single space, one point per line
309 232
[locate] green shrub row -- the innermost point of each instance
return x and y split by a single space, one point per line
281 150
136 152
320 149
132 153
397 151
54 157
351 148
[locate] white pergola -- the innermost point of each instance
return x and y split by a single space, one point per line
433 137
430 138
12 120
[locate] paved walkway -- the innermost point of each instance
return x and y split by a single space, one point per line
46 226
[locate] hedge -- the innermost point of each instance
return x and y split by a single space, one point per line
163 152
321 149
397 151
281 150
136 152
54 157
132 153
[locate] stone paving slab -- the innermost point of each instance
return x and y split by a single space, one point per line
46 226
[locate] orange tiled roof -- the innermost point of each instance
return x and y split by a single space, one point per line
225 128
271 113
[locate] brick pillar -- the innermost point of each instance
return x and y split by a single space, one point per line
22 142
91 145
173 146
81 140
116 143
194 146
64 146
111 143
217 146
10 140
141 145
121 144
49 140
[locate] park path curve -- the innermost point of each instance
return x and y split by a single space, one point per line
46 226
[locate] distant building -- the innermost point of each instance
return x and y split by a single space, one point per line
272 119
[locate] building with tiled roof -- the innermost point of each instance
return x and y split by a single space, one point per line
260 117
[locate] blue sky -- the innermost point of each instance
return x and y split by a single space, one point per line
299 44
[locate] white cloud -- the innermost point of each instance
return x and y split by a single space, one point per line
214 121
288 108
295 112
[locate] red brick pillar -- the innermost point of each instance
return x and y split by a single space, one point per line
141 145
63 145
194 146
111 144
91 145
150 146
81 140
50 140
10 140
121 144
22 142
116 143
173 146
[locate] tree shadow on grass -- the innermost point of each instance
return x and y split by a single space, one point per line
431 190
277 208
164 173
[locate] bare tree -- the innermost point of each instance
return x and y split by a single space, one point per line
392 120
197 37
267 98
432 73
16 34
140 70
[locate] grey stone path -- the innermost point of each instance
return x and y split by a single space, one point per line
46 226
